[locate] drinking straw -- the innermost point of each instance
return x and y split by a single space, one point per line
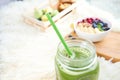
59 34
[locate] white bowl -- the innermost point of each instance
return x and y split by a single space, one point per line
93 37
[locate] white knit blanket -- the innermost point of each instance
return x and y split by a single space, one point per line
26 53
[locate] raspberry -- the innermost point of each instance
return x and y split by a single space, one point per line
83 20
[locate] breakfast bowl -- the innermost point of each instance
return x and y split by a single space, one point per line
94 29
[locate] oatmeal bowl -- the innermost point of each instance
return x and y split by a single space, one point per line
94 29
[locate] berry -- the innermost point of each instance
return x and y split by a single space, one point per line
105 25
97 19
78 22
102 24
100 21
94 25
83 20
105 28
89 21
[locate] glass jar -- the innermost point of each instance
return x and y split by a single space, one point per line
82 66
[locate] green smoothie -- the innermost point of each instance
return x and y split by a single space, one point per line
73 68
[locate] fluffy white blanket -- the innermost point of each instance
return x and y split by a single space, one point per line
26 53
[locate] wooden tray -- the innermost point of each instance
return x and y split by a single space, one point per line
108 47
29 18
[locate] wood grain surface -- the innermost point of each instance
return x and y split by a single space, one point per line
109 47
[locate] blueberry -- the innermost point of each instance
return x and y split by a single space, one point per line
100 21
105 28
96 21
94 25
105 25
102 24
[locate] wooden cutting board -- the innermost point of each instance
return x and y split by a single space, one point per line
109 47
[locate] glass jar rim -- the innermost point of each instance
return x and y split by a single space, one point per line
73 40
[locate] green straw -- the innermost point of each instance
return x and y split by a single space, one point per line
59 35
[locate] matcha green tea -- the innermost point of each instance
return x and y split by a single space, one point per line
82 65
